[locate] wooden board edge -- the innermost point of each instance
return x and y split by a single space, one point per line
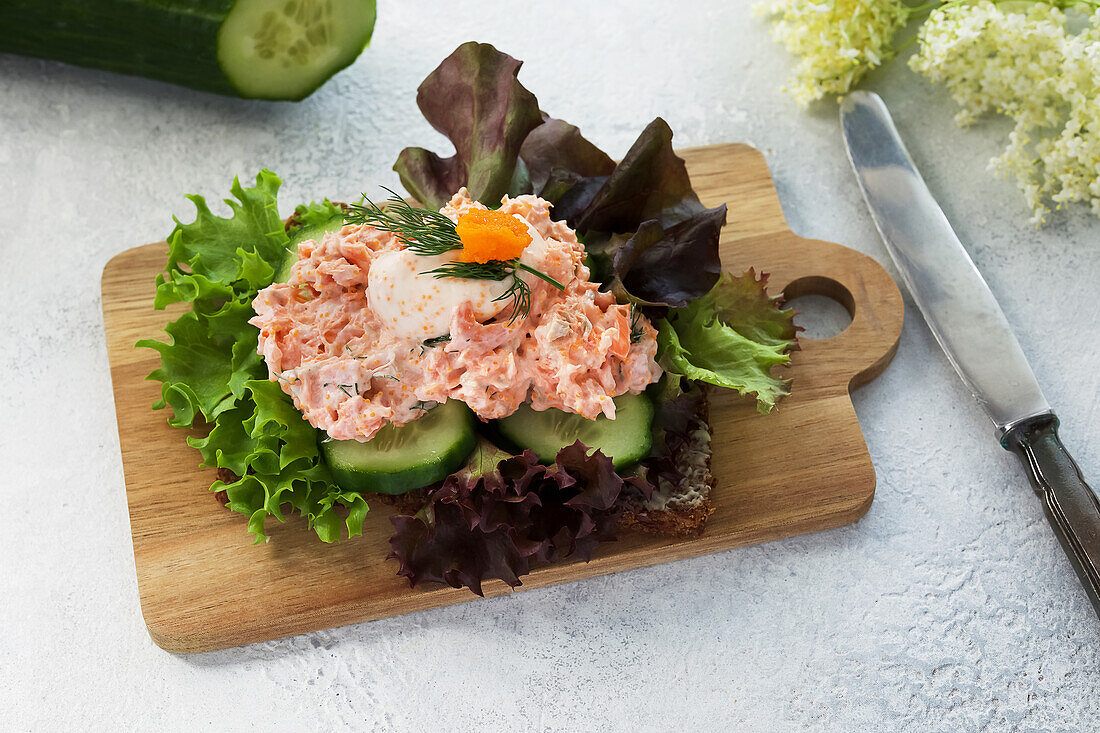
166 635
879 327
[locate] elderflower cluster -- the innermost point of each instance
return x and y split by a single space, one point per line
1027 65
838 40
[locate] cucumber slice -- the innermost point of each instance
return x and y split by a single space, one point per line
270 49
625 440
284 49
308 231
401 458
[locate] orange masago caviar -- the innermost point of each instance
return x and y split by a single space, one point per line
491 235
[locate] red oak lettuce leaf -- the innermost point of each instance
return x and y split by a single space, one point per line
501 514
473 98
504 144
557 157
672 266
650 182
579 507
648 235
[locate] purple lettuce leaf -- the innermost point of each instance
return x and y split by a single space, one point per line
557 157
650 182
473 98
672 266
502 514
504 144
649 236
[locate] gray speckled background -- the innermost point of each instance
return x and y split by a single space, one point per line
948 607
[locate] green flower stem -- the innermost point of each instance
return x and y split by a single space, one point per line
927 7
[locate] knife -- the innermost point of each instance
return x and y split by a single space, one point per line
970 327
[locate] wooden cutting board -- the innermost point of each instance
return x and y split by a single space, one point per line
803 468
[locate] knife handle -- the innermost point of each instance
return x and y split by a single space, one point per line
1068 501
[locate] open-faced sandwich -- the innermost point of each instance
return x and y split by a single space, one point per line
518 357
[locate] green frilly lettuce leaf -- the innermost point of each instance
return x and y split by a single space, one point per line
211 374
313 214
731 337
209 245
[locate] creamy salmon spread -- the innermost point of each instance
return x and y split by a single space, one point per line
345 335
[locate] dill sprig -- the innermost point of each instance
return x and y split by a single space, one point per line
426 233
437 340
423 231
519 291
636 328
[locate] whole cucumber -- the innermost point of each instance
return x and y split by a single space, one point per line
265 49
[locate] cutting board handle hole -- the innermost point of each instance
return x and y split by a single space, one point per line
825 307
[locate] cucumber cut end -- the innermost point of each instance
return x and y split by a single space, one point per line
402 458
625 440
285 49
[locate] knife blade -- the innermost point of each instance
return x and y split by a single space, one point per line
970 326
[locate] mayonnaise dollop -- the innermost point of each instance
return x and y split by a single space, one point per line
415 304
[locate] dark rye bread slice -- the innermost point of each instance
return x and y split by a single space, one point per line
679 508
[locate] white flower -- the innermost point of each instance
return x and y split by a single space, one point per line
1025 64
838 40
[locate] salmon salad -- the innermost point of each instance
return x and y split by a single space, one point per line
362 335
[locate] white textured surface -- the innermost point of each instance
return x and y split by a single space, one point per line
948 607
